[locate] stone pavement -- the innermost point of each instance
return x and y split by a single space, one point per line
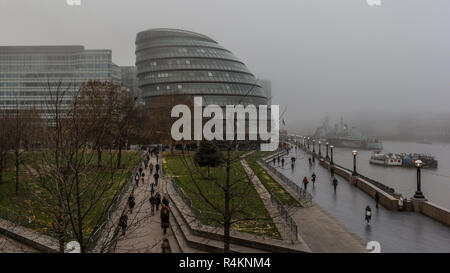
144 234
321 231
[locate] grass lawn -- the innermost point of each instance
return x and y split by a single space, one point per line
27 205
268 182
252 206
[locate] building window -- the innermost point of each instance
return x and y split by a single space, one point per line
168 87
188 62
157 88
210 74
180 86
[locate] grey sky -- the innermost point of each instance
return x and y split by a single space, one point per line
336 56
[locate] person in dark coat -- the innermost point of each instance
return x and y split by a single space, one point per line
165 219
157 168
156 176
152 204
377 198
165 201
165 246
335 183
158 200
123 223
131 203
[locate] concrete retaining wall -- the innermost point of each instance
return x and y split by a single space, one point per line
386 200
28 237
436 212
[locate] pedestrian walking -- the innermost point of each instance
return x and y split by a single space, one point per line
332 171
368 214
355 181
140 170
158 200
151 168
136 178
165 219
157 168
313 159
156 176
123 223
305 183
377 198
165 201
282 162
131 203
274 160
165 246
313 178
152 204
152 188
335 183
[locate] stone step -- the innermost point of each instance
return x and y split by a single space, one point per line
191 243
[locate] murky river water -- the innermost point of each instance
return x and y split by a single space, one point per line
435 182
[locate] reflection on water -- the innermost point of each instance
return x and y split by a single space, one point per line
435 182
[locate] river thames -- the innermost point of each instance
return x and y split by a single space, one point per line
435 182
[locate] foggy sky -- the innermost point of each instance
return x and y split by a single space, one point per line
340 57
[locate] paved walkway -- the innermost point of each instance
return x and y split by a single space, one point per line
321 231
396 231
145 234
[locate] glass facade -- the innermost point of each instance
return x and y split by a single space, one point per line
26 72
171 60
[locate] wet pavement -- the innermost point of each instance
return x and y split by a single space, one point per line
395 231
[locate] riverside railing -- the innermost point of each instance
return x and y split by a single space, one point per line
292 230
304 197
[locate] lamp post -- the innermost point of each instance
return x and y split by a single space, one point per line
331 149
327 157
418 194
314 146
320 152
355 152
307 143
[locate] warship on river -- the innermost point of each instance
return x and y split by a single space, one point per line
343 136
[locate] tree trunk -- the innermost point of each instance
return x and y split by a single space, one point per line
1 170
99 157
119 157
227 214
61 242
17 170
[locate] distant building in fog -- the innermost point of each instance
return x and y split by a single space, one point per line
26 71
267 87
130 81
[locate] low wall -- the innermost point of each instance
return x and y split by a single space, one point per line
386 200
436 212
28 237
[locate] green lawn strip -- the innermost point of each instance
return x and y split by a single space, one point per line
253 205
25 205
268 181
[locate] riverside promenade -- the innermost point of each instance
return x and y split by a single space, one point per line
395 231
145 234
322 232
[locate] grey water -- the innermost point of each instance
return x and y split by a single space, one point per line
435 182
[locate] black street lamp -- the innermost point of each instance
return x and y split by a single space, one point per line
320 152
314 146
355 152
418 194
307 143
331 150
327 157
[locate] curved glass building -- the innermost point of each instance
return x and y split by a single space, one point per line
171 60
